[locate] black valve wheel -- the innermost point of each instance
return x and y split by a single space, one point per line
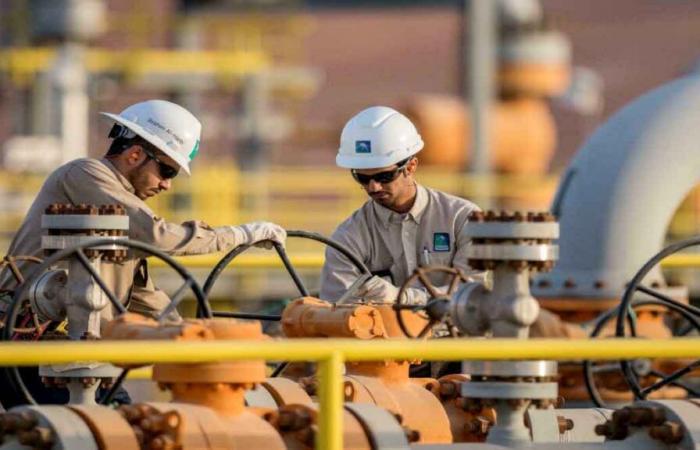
633 380
365 274
27 326
20 393
436 310
230 256
596 371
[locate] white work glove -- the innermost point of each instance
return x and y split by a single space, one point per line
379 290
254 232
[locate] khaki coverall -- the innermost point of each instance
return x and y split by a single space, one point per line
98 182
395 244
392 245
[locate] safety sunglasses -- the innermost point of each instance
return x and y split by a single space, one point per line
166 171
382 177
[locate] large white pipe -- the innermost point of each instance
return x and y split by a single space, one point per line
619 194
71 82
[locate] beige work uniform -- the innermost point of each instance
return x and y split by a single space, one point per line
395 244
98 182
392 245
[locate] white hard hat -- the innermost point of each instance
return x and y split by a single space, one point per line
169 127
377 137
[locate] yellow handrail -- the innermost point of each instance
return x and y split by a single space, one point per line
308 260
331 353
249 261
145 352
681 261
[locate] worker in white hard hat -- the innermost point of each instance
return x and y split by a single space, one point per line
404 225
152 142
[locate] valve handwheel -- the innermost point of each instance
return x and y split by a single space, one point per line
642 368
435 310
365 274
229 257
22 393
29 327
632 378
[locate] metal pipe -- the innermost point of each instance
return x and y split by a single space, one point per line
481 81
334 352
147 352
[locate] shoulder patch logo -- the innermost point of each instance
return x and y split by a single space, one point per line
363 146
441 242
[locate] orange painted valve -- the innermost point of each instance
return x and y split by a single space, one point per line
419 403
208 398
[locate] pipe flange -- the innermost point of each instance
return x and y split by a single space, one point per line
510 368
84 222
507 390
80 370
467 311
380 426
513 252
512 230
505 216
49 426
63 242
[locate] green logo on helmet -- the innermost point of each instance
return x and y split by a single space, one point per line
194 151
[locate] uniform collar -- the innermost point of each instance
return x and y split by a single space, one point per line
122 179
387 216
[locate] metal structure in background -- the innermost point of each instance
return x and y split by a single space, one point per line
515 63
617 198
482 22
216 50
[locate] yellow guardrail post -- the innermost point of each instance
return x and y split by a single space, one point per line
330 430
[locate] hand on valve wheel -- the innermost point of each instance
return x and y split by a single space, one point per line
377 289
259 234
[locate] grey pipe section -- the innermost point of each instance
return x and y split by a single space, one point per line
619 194
482 22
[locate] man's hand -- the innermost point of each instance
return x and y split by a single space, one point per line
378 290
255 232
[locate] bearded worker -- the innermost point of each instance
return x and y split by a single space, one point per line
152 142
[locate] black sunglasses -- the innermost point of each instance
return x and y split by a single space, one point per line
382 177
166 171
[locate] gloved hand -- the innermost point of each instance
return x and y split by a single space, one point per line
378 290
381 291
254 232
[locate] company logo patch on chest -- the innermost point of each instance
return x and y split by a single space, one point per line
363 146
441 242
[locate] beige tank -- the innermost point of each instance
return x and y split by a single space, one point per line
523 132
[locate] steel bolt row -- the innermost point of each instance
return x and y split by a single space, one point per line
85 209
617 428
153 429
92 210
25 426
507 216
